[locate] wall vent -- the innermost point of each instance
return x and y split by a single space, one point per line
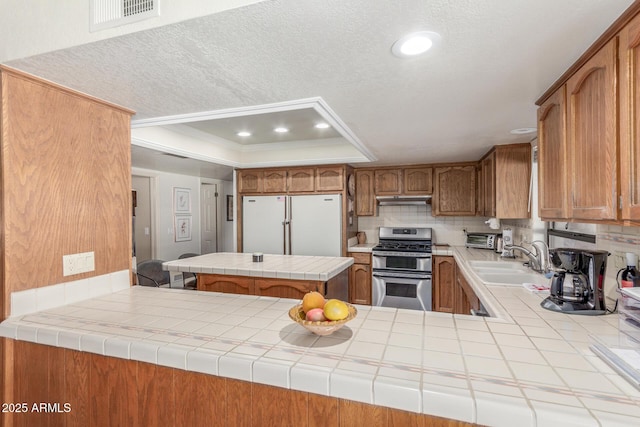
114 13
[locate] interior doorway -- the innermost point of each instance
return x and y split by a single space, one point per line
142 230
208 218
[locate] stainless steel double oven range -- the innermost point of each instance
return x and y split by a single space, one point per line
402 268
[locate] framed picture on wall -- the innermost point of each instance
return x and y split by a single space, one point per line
183 228
229 208
181 200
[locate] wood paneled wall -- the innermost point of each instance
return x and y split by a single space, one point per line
105 391
66 183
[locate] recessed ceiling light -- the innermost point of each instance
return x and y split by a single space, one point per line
415 44
322 126
244 133
281 130
523 131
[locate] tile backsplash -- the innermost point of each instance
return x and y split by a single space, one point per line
445 229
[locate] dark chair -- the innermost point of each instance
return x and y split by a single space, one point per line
150 273
189 280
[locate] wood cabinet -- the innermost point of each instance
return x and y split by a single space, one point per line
104 391
281 288
488 188
506 180
451 291
300 180
418 181
454 191
629 48
360 278
552 157
466 299
330 178
388 182
444 283
592 137
250 181
274 181
365 197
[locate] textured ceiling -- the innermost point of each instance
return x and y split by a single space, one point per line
495 59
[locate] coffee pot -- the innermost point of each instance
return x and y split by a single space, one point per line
577 284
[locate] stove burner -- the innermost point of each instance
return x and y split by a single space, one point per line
404 246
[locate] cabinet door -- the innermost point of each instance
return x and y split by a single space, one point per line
552 157
295 289
365 200
455 191
360 279
488 194
250 181
330 178
224 283
388 182
479 190
512 181
418 181
274 181
468 300
592 137
301 180
444 284
630 120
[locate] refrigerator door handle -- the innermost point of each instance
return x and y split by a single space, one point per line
288 207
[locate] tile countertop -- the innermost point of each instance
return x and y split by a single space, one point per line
526 367
274 266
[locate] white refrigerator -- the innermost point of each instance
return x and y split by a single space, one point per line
292 225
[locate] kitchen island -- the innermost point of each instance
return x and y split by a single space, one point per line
245 358
285 276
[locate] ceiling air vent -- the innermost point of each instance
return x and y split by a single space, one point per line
113 13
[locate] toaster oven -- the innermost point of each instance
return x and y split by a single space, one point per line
482 240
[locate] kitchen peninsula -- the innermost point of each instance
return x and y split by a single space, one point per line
284 276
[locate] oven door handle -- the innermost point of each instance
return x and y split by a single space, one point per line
400 254
398 275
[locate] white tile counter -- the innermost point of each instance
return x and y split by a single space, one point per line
273 266
527 367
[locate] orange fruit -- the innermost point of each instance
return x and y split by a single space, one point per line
334 309
312 300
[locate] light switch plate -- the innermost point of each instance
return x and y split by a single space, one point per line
78 263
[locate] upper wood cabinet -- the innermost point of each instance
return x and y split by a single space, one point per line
487 192
454 191
388 182
274 181
506 180
592 137
365 197
250 181
552 157
629 42
418 180
300 180
330 178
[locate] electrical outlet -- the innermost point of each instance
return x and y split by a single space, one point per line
620 259
78 263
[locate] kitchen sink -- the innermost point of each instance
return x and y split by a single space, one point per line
506 273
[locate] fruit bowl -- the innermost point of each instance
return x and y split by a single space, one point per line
327 327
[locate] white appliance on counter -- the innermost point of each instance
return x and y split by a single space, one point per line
292 225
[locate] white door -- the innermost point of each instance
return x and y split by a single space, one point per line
262 224
142 221
208 218
316 225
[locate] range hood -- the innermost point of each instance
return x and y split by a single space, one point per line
403 200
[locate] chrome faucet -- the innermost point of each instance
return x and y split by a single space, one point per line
538 259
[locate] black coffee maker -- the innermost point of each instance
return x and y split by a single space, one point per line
577 287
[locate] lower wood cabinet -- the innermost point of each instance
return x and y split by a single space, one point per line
336 287
360 278
107 391
451 291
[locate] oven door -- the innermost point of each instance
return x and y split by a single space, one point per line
402 290
401 261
